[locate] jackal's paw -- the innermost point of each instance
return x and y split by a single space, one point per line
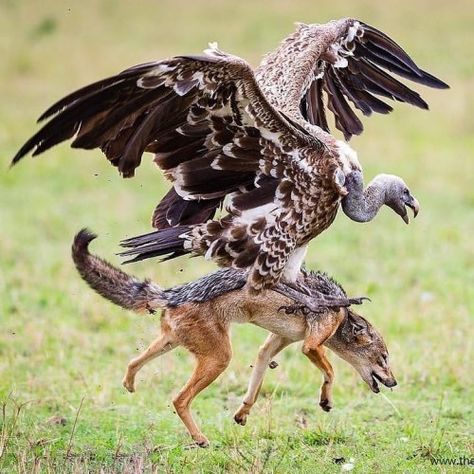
325 404
200 441
129 383
240 417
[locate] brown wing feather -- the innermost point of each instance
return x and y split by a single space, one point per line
369 53
173 210
193 112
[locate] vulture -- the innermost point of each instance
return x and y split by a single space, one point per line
259 139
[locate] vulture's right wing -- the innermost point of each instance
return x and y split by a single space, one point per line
360 67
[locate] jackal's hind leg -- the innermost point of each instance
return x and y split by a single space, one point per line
162 344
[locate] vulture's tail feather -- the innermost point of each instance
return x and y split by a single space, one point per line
164 242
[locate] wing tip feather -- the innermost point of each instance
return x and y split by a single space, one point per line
434 82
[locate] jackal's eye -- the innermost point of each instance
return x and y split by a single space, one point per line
384 359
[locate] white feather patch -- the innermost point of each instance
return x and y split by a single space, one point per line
157 71
249 216
339 177
320 75
273 136
213 50
294 263
348 156
303 164
215 164
226 149
352 32
212 47
341 63
183 87
208 255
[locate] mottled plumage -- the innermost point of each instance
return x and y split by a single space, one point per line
218 130
345 60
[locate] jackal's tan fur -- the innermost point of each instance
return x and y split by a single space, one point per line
203 329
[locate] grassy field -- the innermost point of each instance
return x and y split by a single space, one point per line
63 349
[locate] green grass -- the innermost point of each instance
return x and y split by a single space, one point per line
61 345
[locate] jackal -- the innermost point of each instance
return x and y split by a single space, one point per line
198 315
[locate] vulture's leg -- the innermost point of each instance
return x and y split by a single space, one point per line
299 286
317 302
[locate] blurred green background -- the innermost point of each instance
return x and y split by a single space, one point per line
60 343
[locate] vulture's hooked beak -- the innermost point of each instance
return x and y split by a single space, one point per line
413 204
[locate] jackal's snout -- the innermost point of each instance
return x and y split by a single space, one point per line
386 379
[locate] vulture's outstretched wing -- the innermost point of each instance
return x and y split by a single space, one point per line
203 117
359 67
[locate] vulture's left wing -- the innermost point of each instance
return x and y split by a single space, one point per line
359 67
203 117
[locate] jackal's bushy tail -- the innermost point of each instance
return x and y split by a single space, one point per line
114 284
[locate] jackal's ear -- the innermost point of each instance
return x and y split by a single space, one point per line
358 330
355 326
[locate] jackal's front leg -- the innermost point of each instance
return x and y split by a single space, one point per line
314 350
272 346
318 357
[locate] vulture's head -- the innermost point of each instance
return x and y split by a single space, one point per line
399 197
362 205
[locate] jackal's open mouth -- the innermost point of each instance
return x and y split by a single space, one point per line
375 386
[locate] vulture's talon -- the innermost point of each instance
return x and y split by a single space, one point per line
299 287
295 308
359 300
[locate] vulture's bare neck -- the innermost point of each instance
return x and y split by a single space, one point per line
285 73
362 205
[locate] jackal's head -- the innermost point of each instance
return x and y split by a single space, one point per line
361 345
